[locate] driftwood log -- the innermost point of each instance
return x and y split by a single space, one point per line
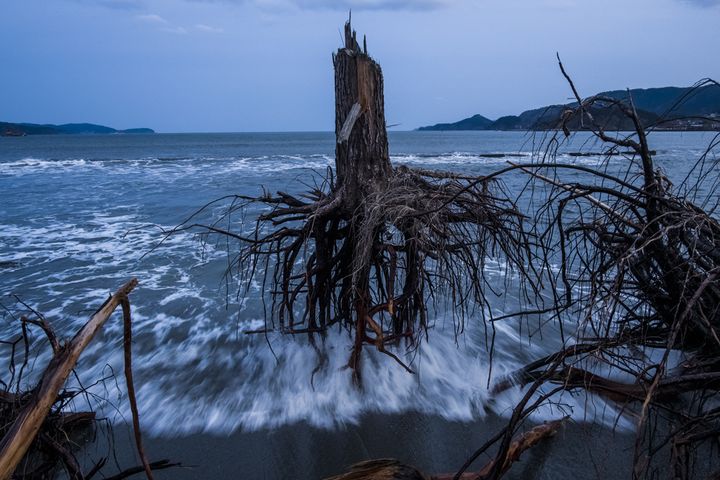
32 416
391 469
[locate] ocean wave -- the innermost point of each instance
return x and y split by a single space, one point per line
30 164
190 351
219 383
262 165
258 165
459 158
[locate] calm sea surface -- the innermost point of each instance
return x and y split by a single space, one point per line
80 215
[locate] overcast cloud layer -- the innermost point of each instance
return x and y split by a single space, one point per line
704 3
344 4
264 65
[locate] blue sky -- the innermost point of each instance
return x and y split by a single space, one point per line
265 65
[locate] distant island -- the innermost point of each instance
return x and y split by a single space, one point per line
679 109
23 129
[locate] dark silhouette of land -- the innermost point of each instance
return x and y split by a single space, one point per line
23 129
669 108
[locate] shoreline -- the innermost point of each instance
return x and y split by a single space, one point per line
430 443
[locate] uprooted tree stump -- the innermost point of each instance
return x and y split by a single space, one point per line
639 268
631 264
371 247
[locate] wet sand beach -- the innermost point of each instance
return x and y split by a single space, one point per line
432 444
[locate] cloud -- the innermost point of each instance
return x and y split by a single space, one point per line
152 18
175 30
703 3
344 5
163 24
121 4
560 4
208 28
372 4
114 4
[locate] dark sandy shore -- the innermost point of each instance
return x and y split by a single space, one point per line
579 451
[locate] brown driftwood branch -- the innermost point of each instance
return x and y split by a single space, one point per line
127 347
389 468
524 442
21 434
520 444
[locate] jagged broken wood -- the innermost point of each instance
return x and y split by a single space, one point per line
28 422
349 123
368 249
389 468
374 244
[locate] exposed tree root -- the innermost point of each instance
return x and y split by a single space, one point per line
370 248
631 263
639 267
639 272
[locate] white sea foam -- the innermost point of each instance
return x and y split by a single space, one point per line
467 159
218 384
257 165
31 165
190 352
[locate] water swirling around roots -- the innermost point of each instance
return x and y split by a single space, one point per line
80 215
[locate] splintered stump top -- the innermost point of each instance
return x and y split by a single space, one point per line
361 155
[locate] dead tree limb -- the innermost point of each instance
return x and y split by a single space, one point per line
519 445
388 468
642 262
21 434
127 347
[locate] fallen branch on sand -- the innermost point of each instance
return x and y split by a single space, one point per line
393 469
31 418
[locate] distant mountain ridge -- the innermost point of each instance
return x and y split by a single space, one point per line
22 129
680 108
476 122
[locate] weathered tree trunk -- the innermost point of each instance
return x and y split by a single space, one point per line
362 163
361 155
356 253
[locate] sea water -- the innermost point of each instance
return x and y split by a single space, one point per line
80 215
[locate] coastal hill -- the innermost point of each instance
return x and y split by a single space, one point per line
679 108
476 122
22 129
